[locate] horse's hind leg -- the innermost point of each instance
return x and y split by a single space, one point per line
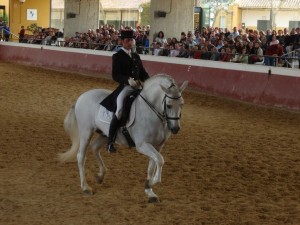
95 147
85 137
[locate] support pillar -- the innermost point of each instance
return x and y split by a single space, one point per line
80 15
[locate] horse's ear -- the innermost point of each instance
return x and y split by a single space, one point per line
166 90
183 86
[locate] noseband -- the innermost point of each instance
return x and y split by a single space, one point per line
165 108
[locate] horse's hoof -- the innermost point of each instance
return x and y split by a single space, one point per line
88 192
99 180
153 200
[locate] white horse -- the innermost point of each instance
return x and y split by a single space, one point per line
157 112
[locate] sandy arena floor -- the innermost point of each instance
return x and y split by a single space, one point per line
231 163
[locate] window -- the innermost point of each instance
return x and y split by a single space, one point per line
222 22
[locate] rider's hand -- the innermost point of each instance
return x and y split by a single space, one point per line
132 82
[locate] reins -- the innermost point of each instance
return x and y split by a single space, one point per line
160 116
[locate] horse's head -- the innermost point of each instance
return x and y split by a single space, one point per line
173 102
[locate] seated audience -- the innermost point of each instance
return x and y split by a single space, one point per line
258 56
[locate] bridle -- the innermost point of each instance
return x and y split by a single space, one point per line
163 116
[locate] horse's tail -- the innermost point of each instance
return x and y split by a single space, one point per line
71 128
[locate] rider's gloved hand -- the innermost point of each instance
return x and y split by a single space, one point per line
132 82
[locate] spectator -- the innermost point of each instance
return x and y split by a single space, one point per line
268 35
235 32
234 56
146 44
205 54
250 48
165 51
60 37
139 35
285 32
174 41
156 48
273 40
184 51
258 56
280 37
117 47
25 39
6 32
195 53
245 38
160 38
182 38
147 30
197 37
225 54
53 40
238 46
243 58
21 34
174 51
240 31
220 45
264 44
190 40
215 55
272 54
209 45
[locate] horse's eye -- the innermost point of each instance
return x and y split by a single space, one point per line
169 106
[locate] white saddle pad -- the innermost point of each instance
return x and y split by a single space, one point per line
105 116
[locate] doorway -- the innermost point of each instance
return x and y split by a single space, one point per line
2 12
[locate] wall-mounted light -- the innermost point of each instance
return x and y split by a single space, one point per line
161 13
22 1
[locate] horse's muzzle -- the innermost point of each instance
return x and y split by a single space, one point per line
175 130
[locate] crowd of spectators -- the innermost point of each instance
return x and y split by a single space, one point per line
43 36
239 46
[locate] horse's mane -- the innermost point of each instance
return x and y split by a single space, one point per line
158 79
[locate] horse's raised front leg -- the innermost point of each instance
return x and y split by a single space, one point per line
95 147
156 162
151 169
85 137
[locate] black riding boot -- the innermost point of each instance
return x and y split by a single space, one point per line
114 125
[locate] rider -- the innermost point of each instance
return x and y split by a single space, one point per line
128 71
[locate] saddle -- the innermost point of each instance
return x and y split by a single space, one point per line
104 115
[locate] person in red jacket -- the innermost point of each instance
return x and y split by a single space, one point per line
21 34
273 52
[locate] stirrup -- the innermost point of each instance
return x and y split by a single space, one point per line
111 148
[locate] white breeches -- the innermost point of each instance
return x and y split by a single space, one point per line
127 90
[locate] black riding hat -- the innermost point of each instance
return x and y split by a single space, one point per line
126 34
